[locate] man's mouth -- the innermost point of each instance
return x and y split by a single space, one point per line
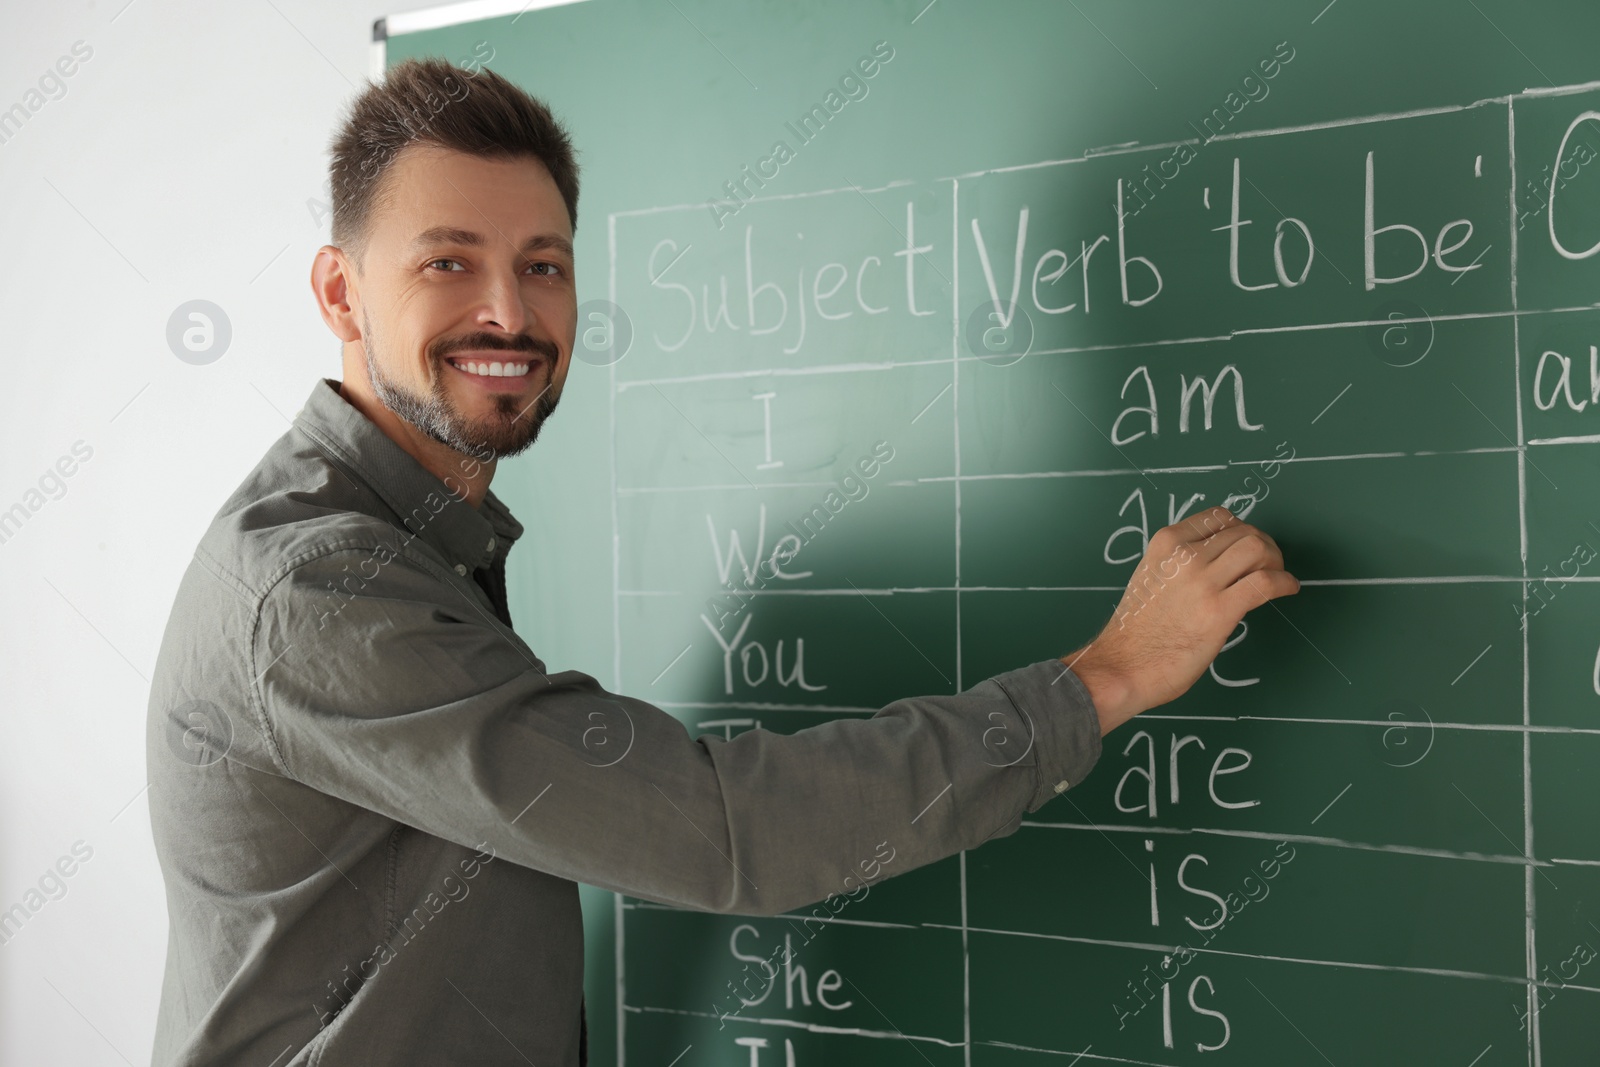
481 367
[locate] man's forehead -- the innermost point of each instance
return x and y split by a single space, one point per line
442 211
445 234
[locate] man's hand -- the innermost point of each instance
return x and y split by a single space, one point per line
1197 579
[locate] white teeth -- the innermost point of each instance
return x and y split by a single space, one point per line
495 370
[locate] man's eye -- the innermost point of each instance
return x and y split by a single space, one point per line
546 270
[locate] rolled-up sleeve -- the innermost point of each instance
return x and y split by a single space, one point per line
406 697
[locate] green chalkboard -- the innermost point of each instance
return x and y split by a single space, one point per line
1060 273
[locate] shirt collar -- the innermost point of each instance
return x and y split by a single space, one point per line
466 536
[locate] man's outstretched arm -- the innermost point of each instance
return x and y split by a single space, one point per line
416 703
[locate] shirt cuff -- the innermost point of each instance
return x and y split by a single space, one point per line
1066 727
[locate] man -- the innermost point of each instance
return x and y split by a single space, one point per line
371 801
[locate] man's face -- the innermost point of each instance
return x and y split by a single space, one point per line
469 265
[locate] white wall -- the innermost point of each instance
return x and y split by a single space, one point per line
177 165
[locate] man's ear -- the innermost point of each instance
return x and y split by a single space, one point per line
332 283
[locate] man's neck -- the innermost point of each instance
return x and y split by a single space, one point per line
460 473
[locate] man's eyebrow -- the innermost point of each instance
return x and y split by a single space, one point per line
454 235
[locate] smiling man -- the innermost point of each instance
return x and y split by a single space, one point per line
371 801
485 391
458 340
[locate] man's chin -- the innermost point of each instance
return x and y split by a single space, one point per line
490 443
499 434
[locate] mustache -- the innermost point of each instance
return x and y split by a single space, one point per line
520 343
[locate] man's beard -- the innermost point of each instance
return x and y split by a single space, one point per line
512 429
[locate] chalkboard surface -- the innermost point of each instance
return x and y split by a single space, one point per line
1057 275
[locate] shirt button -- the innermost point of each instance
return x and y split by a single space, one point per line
491 545
1063 785
461 569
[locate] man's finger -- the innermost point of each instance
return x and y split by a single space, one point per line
1215 545
1205 524
1244 552
1256 588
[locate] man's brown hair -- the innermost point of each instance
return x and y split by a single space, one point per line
430 101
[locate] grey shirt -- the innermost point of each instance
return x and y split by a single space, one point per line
372 802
